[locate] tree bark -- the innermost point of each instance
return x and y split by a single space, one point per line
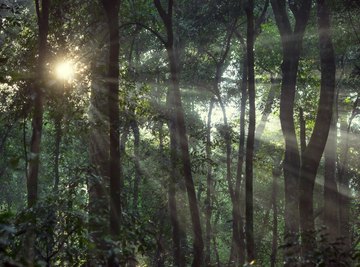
209 189
239 171
178 254
98 182
249 206
42 10
171 49
37 120
302 131
315 148
112 10
291 41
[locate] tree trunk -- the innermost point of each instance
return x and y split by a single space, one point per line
42 10
185 157
302 131
178 255
171 49
315 148
229 180
209 189
98 182
238 243
249 207
291 41
111 8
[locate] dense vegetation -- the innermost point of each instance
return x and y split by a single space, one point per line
179 133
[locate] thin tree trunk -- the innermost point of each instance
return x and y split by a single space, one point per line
315 148
159 258
112 9
302 131
185 156
167 16
292 44
240 240
178 255
42 10
230 185
209 189
249 207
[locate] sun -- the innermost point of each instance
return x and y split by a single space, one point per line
64 70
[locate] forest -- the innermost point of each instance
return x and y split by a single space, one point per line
199 133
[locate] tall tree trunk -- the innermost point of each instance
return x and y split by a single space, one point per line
98 181
209 189
42 11
114 120
171 49
249 206
111 8
178 254
229 180
315 148
302 131
185 157
291 41
238 243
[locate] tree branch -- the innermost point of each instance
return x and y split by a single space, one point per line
161 10
281 17
170 7
261 18
157 34
37 8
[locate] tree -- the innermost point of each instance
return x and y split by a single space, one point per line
315 148
42 11
251 134
291 40
173 57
